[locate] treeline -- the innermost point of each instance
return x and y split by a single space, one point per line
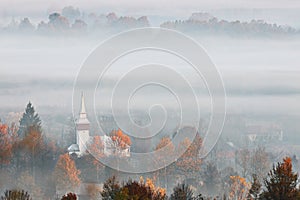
32 162
72 21
280 184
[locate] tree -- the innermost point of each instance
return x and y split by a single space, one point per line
5 145
260 163
120 141
255 189
239 188
31 146
281 182
15 195
66 174
93 191
243 157
211 178
182 192
189 162
30 120
96 153
167 152
111 189
69 196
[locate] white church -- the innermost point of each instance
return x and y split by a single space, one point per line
83 138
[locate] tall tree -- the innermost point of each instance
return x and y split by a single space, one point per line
5 144
189 163
29 120
281 183
66 174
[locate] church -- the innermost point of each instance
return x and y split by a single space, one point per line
83 138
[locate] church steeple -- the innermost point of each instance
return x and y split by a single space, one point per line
82 114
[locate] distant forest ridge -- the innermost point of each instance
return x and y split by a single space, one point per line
71 21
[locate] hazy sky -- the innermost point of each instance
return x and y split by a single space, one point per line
32 6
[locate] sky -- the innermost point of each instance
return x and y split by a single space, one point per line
37 6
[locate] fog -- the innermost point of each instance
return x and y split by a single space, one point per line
260 75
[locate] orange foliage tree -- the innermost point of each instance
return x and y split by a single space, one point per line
189 162
239 188
66 174
5 145
120 140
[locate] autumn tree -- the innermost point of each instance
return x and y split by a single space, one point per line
5 144
239 188
69 196
141 190
31 146
281 183
29 120
120 140
66 174
189 162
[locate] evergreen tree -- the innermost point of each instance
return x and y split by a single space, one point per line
182 192
255 189
281 183
15 195
30 120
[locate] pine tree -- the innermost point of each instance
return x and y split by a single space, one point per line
182 192
281 182
15 195
255 189
29 120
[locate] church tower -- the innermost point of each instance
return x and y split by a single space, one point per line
82 129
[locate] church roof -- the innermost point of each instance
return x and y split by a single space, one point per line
73 148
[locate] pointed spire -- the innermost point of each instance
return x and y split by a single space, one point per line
82 114
82 110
